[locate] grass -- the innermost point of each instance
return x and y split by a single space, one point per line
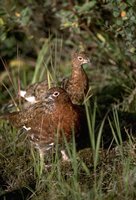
94 172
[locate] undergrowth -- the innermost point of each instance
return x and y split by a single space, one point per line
103 169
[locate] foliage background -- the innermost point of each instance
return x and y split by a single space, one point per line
106 28
37 37
104 25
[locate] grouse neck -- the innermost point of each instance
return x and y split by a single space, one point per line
77 70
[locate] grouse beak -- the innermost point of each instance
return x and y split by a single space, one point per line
48 98
86 61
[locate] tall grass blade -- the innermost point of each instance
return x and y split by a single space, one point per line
91 117
115 128
41 56
98 142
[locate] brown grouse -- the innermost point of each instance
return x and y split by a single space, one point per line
49 120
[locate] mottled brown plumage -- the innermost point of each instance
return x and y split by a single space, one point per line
77 84
34 93
48 120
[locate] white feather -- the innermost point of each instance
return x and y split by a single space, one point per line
27 128
22 93
31 99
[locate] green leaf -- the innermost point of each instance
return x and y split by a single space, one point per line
1 22
2 12
116 13
119 22
25 16
86 7
123 6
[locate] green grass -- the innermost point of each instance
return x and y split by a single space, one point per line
94 172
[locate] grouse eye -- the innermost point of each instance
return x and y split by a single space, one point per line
55 94
80 58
